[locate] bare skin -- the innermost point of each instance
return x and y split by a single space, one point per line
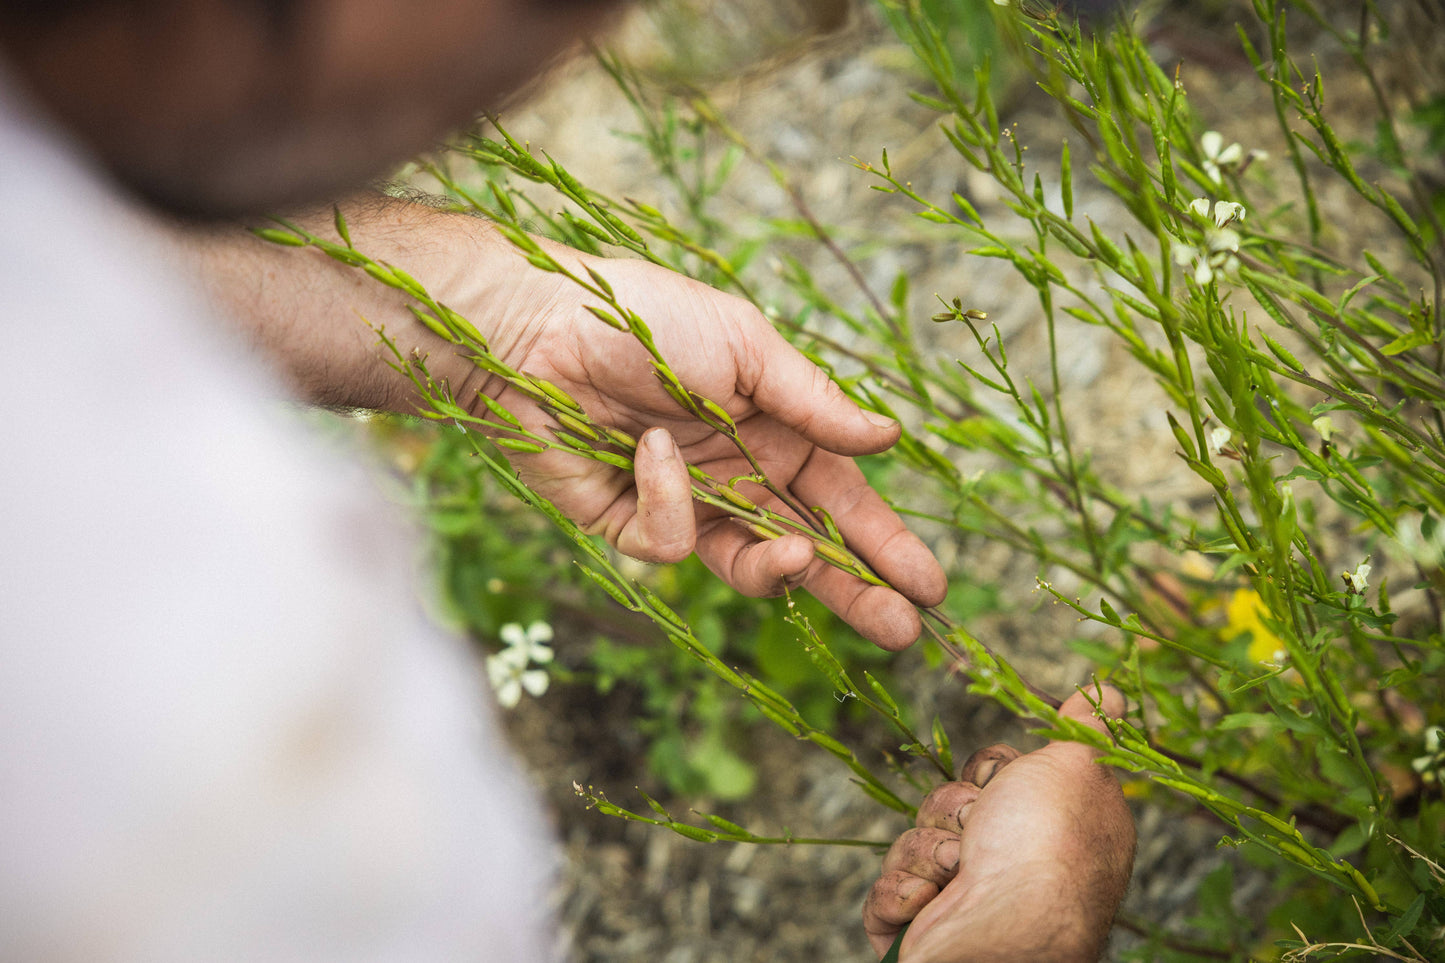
208 106
1027 857
306 312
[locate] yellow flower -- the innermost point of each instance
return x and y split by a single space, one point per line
1245 613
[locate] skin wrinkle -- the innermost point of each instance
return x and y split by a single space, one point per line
807 422
760 565
1045 854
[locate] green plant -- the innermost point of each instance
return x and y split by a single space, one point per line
1282 645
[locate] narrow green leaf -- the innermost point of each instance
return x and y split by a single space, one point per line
277 236
341 229
1066 185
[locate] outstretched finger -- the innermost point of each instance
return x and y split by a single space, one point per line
1080 706
758 568
879 614
786 385
766 568
872 529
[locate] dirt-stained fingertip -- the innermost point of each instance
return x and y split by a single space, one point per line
985 764
885 618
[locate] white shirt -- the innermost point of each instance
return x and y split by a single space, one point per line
225 731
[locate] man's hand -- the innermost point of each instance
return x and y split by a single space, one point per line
1026 858
306 313
795 421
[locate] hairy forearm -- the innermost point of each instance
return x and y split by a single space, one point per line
314 319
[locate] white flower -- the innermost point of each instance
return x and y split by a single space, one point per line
1203 272
1325 426
508 673
1359 579
1427 764
530 643
1218 438
509 670
1218 258
1216 155
1221 242
1227 211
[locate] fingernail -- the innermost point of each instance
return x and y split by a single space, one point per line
909 888
877 420
945 854
659 445
985 772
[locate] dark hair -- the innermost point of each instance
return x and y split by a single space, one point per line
40 13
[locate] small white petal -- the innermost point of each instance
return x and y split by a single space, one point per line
1218 438
1223 240
535 681
510 694
512 656
1325 426
512 634
1210 142
1203 273
1361 576
502 670
1200 206
1227 211
539 631
1230 154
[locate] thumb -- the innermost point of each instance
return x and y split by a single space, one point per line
1080 709
786 385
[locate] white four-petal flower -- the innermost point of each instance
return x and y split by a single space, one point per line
1216 155
531 642
1221 242
510 672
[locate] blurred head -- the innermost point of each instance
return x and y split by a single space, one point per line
220 107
